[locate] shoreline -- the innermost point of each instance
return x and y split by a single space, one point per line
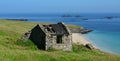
80 39
97 47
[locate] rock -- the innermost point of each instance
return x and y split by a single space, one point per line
80 30
26 36
85 31
109 17
89 46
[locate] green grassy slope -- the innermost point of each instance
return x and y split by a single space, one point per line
12 49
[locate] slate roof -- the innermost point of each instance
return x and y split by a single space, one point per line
59 29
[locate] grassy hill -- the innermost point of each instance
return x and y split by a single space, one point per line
12 49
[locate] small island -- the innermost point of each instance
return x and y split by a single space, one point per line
67 15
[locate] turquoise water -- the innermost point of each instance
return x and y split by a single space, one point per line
106 41
106 34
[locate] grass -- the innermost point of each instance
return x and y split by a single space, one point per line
13 49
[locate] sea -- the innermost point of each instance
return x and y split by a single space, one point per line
105 26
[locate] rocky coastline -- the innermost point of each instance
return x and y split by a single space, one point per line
80 30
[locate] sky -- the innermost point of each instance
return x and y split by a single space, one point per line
59 6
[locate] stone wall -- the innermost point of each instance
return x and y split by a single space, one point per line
66 44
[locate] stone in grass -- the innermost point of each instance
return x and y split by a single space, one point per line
89 46
26 36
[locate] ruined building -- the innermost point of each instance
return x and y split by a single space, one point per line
56 36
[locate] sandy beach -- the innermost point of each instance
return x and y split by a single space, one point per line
78 38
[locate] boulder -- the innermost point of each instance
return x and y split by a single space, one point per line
90 46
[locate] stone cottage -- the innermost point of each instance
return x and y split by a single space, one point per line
56 36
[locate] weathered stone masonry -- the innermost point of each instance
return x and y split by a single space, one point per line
56 36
